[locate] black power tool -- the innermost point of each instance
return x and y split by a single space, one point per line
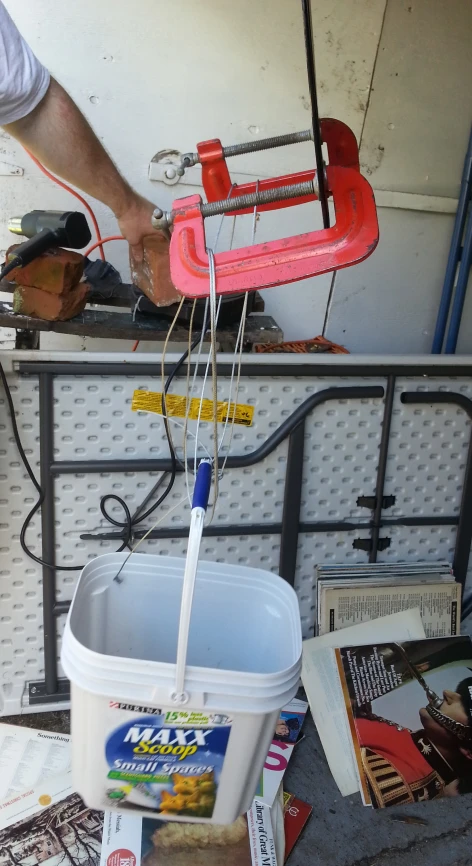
46 229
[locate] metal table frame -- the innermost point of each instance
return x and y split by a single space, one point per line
52 689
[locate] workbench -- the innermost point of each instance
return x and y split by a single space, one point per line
123 324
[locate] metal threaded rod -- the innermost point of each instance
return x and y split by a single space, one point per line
254 199
268 143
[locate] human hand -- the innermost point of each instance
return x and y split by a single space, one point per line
135 224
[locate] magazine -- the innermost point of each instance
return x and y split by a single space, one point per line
342 604
132 841
287 734
409 706
324 692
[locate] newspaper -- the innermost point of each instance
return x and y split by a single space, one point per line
439 605
27 757
324 691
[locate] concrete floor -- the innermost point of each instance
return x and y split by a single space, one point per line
341 831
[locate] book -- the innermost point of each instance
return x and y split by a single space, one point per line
347 597
296 815
286 735
409 707
324 692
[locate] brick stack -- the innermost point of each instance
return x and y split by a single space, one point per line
49 287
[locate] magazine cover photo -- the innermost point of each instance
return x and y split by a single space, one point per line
410 713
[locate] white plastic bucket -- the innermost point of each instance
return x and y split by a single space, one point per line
133 748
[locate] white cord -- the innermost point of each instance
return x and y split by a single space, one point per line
163 360
214 375
188 397
158 521
240 342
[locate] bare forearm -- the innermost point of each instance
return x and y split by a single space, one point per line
57 133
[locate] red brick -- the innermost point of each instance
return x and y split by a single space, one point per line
28 301
56 271
152 275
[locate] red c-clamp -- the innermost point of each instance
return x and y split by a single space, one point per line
350 240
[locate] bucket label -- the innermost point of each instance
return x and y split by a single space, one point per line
167 762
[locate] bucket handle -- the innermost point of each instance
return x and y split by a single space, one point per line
201 495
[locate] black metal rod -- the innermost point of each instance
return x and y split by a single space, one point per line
310 66
336 367
292 504
382 467
460 562
273 528
71 467
46 457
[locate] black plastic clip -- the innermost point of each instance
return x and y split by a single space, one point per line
366 544
371 502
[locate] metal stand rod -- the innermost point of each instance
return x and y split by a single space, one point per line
46 457
382 467
254 199
310 65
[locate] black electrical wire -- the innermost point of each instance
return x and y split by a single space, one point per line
9 267
129 523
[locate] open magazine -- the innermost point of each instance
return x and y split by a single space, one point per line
409 706
325 694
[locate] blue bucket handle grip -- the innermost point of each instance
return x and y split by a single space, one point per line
201 493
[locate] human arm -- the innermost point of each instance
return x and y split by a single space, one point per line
57 134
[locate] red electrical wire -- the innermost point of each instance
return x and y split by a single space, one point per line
74 193
101 242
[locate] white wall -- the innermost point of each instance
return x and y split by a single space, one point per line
153 75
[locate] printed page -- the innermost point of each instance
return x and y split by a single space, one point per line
324 692
24 805
439 606
50 825
404 752
28 756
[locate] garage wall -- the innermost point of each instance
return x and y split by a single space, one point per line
153 75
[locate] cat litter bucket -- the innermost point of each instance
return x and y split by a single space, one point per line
138 744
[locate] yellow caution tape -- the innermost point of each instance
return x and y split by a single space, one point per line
176 406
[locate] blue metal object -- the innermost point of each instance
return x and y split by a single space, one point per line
201 491
461 289
453 260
